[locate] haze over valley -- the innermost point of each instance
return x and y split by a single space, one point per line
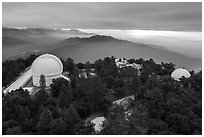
174 29
188 43
86 45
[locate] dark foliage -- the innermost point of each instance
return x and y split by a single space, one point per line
162 105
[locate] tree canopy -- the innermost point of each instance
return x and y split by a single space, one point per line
162 106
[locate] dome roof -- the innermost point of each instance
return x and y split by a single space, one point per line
178 73
47 64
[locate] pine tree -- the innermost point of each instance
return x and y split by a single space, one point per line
65 97
58 127
45 119
72 119
41 96
136 85
42 82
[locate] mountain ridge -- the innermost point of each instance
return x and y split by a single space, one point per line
11 41
89 47
92 48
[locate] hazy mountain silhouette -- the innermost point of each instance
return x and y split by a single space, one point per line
7 41
95 47
20 41
82 46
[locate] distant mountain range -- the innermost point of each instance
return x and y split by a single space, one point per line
7 41
82 47
17 41
95 47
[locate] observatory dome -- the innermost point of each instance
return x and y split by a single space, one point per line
178 73
48 65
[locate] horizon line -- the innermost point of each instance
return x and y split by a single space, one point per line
80 29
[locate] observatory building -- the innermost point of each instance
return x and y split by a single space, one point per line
48 65
179 73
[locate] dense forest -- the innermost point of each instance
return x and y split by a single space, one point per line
161 104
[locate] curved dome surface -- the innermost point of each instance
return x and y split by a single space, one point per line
178 73
47 64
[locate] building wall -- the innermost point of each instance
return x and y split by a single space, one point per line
48 79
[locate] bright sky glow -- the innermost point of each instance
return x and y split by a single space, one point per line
176 34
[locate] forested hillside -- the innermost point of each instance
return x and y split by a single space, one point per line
161 105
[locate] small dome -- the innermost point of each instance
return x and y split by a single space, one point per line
178 73
47 64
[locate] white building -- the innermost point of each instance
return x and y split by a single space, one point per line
122 63
98 123
48 65
179 73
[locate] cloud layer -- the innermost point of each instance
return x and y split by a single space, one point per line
161 16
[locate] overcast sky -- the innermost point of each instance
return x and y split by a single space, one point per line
162 16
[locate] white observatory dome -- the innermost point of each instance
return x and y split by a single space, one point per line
48 65
178 73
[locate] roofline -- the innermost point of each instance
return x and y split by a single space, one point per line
50 55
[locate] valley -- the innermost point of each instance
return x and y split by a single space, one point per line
83 47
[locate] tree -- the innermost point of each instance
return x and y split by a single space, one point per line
14 131
127 72
69 66
96 96
166 132
41 96
196 126
45 119
135 85
13 102
23 116
56 85
119 92
197 81
57 127
80 66
73 81
119 123
85 129
156 125
71 118
78 93
179 124
109 81
42 82
115 123
106 67
65 97
88 65
11 127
